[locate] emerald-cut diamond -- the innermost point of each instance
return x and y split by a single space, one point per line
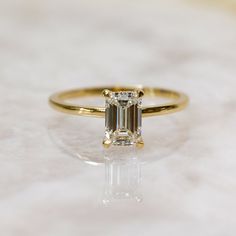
123 118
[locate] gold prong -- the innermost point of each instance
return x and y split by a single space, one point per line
106 143
140 93
140 144
106 93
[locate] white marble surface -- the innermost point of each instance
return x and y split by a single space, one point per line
47 46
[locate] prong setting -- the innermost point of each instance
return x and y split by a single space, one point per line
107 143
140 93
106 93
140 143
123 118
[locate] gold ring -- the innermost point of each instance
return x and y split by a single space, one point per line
123 110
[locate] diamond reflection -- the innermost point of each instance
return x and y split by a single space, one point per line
122 175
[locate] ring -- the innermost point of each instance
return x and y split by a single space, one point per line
123 110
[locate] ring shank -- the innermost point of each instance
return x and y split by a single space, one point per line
58 101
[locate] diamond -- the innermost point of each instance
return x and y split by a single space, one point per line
123 118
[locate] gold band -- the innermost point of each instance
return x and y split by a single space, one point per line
58 101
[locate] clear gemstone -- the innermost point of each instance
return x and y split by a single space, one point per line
123 118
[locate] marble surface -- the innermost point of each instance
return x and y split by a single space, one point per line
45 46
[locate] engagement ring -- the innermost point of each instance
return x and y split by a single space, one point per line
123 110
